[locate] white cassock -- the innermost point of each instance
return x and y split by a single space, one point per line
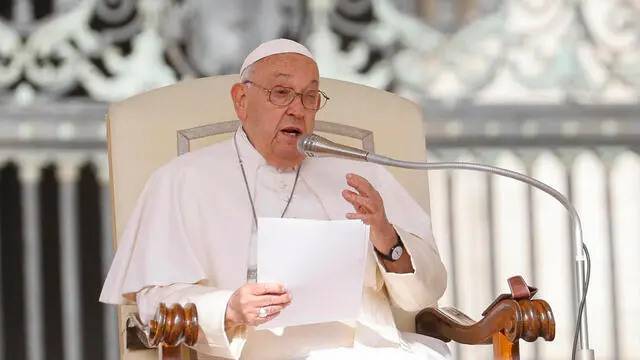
189 240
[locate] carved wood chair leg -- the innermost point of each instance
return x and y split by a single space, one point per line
503 349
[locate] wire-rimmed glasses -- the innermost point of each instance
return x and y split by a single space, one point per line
283 96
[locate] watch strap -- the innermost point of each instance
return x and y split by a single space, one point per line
388 256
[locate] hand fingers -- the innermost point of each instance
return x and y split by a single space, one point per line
269 312
366 218
257 320
268 300
361 184
245 306
274 309
267 288
360 203
364 188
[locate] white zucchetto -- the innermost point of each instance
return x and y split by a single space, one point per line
274 47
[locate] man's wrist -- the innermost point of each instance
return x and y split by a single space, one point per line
392 252
385 239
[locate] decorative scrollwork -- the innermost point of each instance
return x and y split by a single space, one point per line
545 50
515 51
109 50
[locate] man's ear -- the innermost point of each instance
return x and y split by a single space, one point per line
239 97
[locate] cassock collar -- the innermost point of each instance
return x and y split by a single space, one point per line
251 158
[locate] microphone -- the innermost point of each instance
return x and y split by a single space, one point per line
312 145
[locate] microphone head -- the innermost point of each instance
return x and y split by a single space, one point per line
305 144
312 145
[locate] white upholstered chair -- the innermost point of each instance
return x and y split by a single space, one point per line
149 129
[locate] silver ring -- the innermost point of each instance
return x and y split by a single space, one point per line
262 312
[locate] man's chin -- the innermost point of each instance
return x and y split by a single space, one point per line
291 157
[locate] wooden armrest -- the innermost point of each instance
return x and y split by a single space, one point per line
170 328
506 321
524 319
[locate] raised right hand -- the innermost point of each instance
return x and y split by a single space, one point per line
244 305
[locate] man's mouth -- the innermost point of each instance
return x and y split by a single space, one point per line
291 131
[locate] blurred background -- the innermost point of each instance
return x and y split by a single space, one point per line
544 87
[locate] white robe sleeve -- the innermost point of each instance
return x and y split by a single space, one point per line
426 284
158 246
211 305
158 257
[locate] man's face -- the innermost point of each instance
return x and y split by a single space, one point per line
274 129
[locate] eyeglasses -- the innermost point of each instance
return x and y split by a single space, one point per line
283 96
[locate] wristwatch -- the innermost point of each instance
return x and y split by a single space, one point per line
395 252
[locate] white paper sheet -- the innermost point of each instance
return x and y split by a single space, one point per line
321 263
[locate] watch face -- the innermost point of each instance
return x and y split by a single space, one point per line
397 252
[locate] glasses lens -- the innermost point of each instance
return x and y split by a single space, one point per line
281 95
313 99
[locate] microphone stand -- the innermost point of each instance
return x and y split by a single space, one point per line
581 253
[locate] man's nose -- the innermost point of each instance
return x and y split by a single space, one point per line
296 108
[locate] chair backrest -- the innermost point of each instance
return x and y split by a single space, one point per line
149 129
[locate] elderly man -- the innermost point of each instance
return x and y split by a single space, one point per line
192 236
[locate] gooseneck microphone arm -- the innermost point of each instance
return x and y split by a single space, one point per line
316 146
